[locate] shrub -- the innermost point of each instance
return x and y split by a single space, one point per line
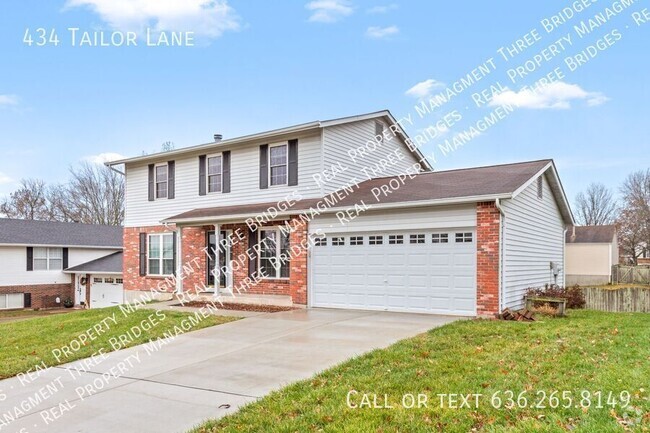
573 295
545 310
68 303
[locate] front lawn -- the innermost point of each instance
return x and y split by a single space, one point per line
25 344
579 356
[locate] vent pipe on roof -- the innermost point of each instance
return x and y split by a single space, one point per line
218 138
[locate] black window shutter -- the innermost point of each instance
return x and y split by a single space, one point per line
151 183
143 254
65 258
202 169
252 257
293 163
171 179
30 258
27 300
174 246
225 160
264 166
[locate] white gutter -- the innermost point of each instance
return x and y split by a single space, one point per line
404 204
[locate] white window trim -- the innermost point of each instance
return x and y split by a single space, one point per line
286 164
47 259
207 173
155 181
278 250
161 258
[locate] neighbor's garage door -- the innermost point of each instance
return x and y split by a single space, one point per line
106 291
415 271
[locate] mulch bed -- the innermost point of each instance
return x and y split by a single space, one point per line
238 307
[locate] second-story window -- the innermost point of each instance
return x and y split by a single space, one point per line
215 173
278 165
161 181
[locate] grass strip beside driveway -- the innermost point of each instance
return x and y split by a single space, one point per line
586 352
25 344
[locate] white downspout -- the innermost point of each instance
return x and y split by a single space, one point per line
497 203
566 229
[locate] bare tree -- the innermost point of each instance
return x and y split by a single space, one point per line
635 221
27 202
596 206
96 195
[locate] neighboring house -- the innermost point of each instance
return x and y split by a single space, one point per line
46 262
590 253
463 242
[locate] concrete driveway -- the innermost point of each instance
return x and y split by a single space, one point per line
199 375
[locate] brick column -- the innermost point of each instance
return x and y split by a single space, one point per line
298 266
488 224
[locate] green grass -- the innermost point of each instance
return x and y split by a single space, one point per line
588 350
25 344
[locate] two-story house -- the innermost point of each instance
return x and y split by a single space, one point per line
343 213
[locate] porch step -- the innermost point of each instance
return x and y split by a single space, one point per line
253 299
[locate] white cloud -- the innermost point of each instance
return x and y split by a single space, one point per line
209 18
102 158
382 9
4 179
424 88
329 11
555 96
8 100
381 32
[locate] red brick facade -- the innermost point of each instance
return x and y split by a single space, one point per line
43 295
488 224
194 255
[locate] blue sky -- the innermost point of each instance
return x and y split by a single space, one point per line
262 65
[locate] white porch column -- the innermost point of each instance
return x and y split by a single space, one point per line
217 277
179 260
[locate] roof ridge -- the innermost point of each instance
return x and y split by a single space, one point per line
58 222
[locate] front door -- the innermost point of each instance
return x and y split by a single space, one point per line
224 256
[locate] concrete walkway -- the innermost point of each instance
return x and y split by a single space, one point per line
203 374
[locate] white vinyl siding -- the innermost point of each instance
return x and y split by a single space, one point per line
14 272
533 237
339 140
245 186
400 219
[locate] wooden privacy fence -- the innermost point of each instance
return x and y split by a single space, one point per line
628 300
622 274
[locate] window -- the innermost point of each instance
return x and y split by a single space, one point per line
278 164
12 300
161 181
320 242
540 187
440 238
375 240
379 132
338 241
119 281
48 259
417 239
98 280
109 280
464 237
215 173
395 239
161 254
274 253
356 240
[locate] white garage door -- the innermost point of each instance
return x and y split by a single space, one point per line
416 271
106 291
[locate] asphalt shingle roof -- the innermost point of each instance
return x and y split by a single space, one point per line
591 234
111 263
30 232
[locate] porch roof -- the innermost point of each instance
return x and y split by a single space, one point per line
435 188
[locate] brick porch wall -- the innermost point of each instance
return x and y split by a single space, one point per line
488 223
43 295
195 261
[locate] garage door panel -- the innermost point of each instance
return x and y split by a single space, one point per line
106 291
424 277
